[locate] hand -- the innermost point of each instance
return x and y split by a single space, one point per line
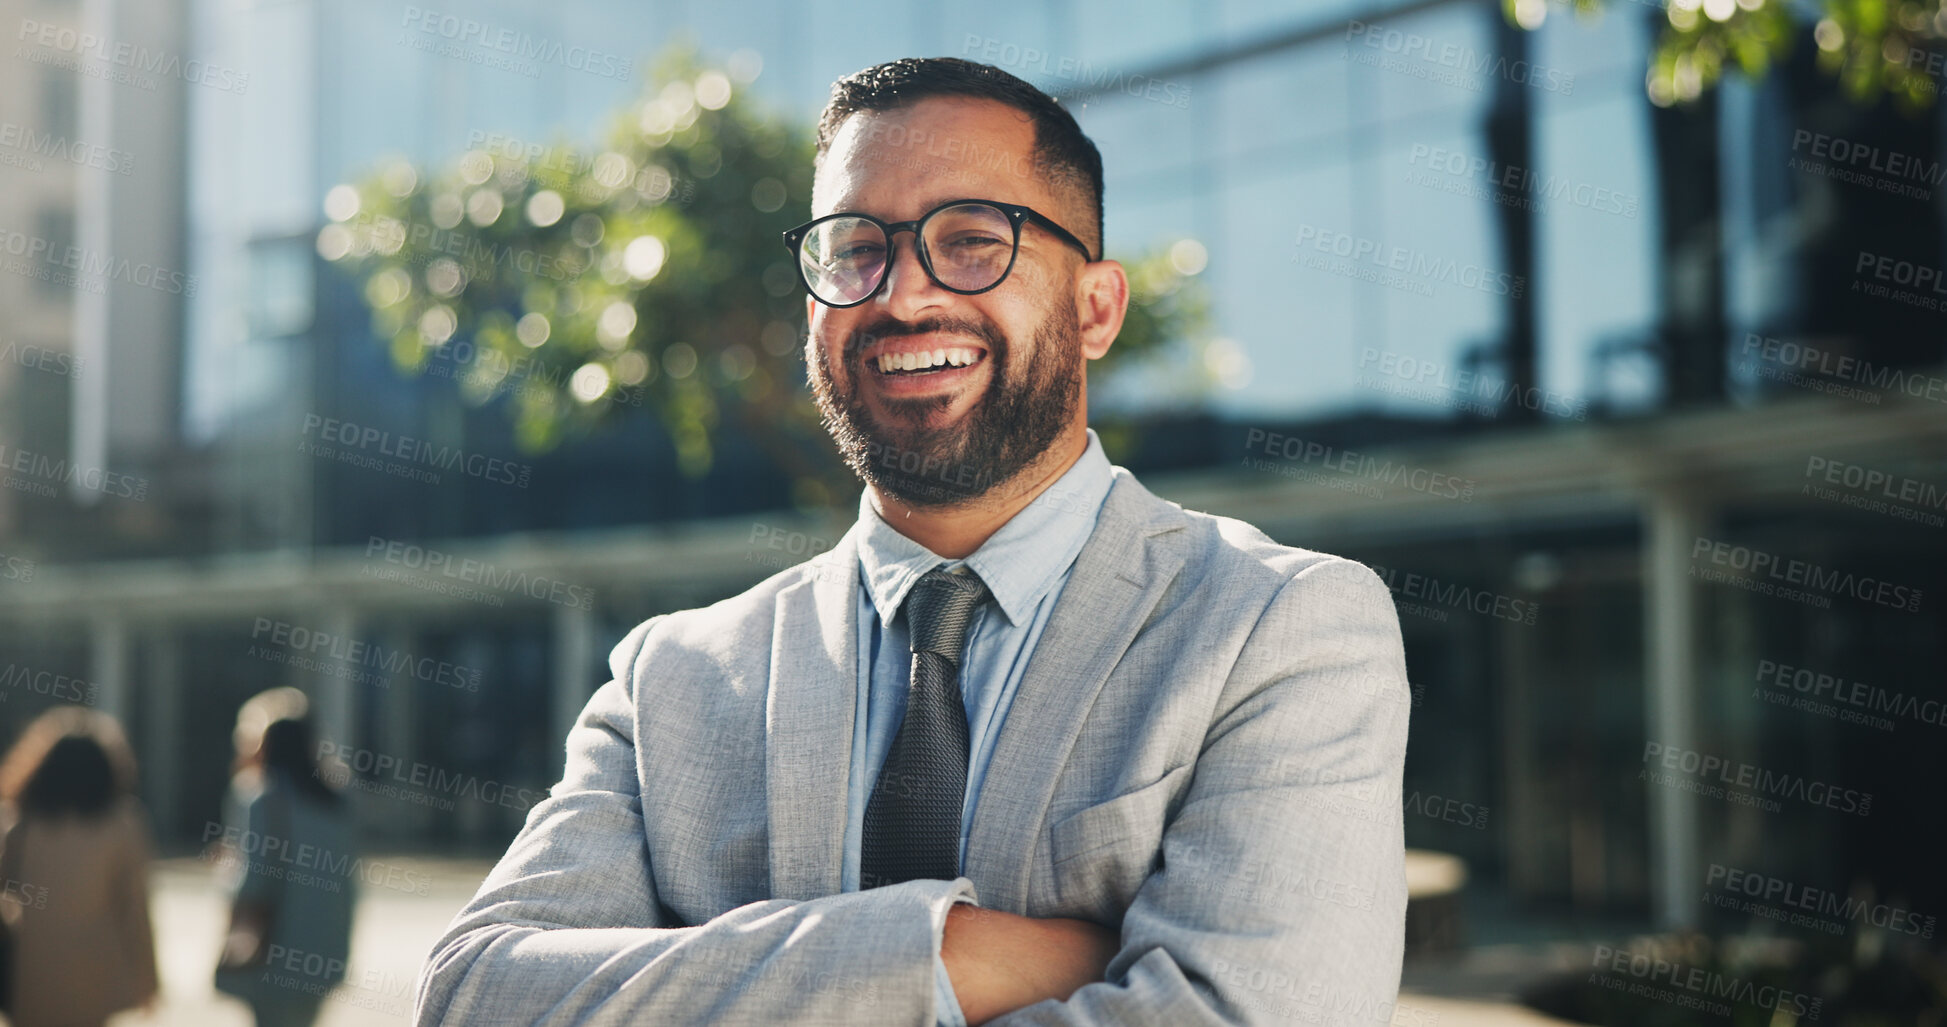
1000 962
245 943
241 949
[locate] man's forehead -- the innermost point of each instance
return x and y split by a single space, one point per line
909 159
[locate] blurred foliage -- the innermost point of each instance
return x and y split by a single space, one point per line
1874 47
568 282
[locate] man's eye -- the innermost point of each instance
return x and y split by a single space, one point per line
972 242
857 252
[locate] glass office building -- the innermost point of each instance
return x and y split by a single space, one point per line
1491 322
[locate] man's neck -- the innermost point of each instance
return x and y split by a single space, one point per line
955 532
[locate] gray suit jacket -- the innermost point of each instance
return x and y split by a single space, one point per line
1205 753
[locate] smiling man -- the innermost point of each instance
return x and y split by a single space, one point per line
1029 745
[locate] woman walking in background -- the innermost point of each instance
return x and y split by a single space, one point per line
75 864
293 880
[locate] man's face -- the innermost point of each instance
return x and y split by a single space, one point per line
937 438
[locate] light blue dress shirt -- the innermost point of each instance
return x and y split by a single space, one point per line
1025 565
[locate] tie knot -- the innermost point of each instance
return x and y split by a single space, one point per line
940 607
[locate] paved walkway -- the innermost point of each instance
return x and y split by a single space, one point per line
393 930
391 933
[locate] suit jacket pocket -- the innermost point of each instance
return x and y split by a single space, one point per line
1103 853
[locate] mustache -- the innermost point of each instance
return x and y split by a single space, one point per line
879 331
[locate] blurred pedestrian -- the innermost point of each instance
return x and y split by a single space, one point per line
292 876
75 863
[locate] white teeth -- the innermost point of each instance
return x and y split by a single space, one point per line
955 357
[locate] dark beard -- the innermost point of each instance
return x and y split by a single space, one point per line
1010 426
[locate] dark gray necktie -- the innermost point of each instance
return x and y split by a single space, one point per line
912 820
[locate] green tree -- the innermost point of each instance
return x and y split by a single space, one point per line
567 282
1874 47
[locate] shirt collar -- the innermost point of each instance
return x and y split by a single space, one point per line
1019 563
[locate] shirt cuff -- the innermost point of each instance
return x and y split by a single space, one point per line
946 1005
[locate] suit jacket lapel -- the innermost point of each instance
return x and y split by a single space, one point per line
808 723
1118 578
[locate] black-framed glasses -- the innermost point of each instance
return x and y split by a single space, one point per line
966 246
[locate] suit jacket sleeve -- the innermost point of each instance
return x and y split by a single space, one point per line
568 927
1280 896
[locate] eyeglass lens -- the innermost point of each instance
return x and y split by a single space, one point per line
970 246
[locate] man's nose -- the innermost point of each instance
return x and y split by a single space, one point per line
908 289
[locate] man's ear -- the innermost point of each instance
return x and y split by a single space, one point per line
1101 304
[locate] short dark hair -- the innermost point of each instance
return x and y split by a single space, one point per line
1061 151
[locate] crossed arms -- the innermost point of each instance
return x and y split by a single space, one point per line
1279 896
